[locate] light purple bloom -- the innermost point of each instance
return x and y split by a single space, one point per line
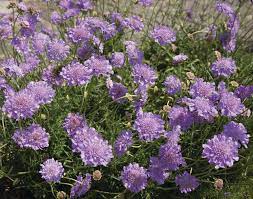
34 137
186 182
179 58
133 23
221 151
134 177
50 76
42 91
149 126
156 172
223 67
79 34
172 84
56 18
11 68
244 92
142 96
76 74
135 55
117 59
85 5
81 186
145 2
117 91
173 136
72 122
21 105
57 50
163 35
39 42
143 74
52 170
237 131
123 142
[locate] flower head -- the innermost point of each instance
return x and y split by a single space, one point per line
81 186
52 170
186 182
221 151
244 92
223 67
123 142
117 59
156 171
72 122
135 55
144 74
145 2
79 34
179 58
173 84
163 35
57 50
117 91
134 23
134 177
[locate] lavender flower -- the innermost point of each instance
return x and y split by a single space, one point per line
142 97
244 92
99 65
237 131
163 35
21 105
42 91
156 172
173 137
56 18
134 177
85 5
171 157
149 126
172 84
225 8
144 74
223 67
11 68
76 74
34 137
52 170
72 122
117 59
230 105
186 182
123 142
117 91
179 58
49 75
135 56
39 42
79 34
200 88
180 116
81 186
145 2
221 151
57 50
134 23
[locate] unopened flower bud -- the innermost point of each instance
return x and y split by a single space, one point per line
218 184
97 175
61 195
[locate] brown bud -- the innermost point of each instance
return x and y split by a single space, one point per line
190 75
218 184
217 54
166 108
61 195
97 175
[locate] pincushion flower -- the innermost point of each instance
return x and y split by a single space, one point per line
57 50
42 91
123 142
149 126
85 5
117 91
72 122
117 59
39 42
172 84
186 182
76 74
133 23
156 171
81 186
237 131
163 35
34 137
223 67
144 74
51 170
99 65
145 2
221 151
135 55
244 92
173 136
134 177
79 34
21 105
56 18
179 58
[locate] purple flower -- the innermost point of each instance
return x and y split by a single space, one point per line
57 50
203 107
133 23
99 65
84 5
244 92
28 24
221 151
117 19
123 142
117 59
200 88
228 42
223 67
179 58
180 116
56 18
81 186
171 157
142 97
79 34
186 182
49 75
11 68
34 137
225 8
143 74
51 170
134 177
21 105
163 35
237 131
145 2
76 74
69 13
42 91
39 42
173 136
149 126
5 28
156 172
117 91
230 105
29 65
212 32
135 56
72 122
172 84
